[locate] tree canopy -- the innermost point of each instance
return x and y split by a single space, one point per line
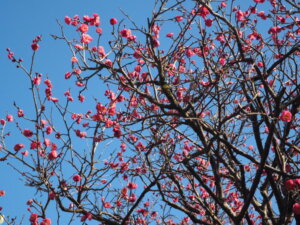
192 118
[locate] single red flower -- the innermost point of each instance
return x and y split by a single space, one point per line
77 178
289 184
296 208
18 147
84 28
107 205
2 193
46 221
286 116
27 133
35 46
113 21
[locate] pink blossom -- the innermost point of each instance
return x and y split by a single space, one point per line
29 202
223 4
289 184
74 22
68 20
74 59
251 147
81 98
78 47
112 111
132 185
156 30
137 54
222 61
36 80
262 15
80 134
27 133
156 43
35 145
208 22
52 195
85 38
107 205
240 15
25 153
48 83
96 20
99 30
109 123
113 21
100 51
35 46
77 71
125 33
49 130
9 118
118 203
53 147
296 208
52 155
87 18
101 108
44 122
132 198
47 142
84 28
178 18
77 178
88 216
260 64
2 193
18 147
108 63
46 221
297 182
189 53
3 122
53 99
274 30
286 116
203 11
10 55
33 217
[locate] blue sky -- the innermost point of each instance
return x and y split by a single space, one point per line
21 22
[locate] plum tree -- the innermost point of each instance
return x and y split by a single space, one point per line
196 120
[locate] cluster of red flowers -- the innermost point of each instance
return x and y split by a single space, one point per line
34 220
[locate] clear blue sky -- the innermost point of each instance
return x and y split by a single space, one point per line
21 22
